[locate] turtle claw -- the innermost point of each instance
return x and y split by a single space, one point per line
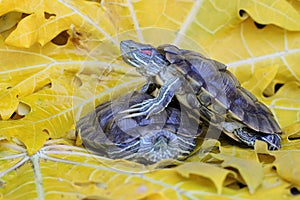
148 108
135 108
137 105
129 110
134 115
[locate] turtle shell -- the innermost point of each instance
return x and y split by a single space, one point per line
219 91
170 135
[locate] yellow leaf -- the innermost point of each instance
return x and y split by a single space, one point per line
251 171
293 134
62 59
280 13
272 186
215 174
49 87
42 28
284 103
9 20
287 166
58 171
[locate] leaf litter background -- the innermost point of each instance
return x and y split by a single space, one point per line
59 59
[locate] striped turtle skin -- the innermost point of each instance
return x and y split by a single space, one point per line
170 135
204 84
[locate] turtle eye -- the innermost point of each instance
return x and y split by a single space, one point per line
146 51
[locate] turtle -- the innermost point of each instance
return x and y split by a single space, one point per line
144 140
204 84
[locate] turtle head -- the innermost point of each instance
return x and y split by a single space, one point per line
146 58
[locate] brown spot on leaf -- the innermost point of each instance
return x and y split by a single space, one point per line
48 15
61 39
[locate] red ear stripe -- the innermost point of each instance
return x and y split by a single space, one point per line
146 51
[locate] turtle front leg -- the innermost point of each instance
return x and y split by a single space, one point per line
156 105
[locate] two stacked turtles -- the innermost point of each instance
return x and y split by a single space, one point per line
195 82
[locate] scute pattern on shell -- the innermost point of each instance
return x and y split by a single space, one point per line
104 132
223 87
